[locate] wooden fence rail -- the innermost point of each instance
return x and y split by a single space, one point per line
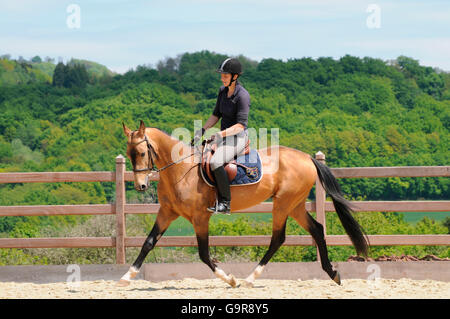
120 209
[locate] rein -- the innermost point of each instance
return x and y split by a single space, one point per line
151 150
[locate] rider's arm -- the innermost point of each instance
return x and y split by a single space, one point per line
211 122
232 130
216 114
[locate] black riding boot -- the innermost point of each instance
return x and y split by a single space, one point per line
223 187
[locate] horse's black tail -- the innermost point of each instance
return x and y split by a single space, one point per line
342 206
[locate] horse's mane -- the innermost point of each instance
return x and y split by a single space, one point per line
163 131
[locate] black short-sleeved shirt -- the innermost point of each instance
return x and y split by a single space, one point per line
233 109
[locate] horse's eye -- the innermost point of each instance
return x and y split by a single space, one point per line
142 154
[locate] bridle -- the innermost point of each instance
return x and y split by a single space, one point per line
151 150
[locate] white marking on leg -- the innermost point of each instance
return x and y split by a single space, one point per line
255 274
131 273
222 275
229 279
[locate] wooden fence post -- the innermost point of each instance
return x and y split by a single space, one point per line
320 200
120 209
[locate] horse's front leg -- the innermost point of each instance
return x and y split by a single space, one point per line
202 232
163 220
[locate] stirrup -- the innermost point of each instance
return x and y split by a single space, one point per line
216 212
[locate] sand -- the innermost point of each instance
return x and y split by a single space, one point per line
214 288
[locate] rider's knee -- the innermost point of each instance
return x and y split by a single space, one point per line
215 164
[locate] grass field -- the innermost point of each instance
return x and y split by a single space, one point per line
182 227
414 217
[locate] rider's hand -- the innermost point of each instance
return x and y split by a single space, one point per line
216 138
197 136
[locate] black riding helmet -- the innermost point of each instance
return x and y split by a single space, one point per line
232 66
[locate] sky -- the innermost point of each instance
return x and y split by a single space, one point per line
123 34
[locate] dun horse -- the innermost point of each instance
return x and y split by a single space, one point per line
182 192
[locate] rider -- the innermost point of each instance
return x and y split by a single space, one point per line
233 105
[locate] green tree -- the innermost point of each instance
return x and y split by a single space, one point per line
36 59
59 74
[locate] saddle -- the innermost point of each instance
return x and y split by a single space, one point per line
230 167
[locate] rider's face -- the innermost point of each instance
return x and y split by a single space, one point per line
226 78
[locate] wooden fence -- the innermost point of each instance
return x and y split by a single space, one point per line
120 208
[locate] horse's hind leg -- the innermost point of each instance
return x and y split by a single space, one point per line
316 230
201 227
278 238
163 220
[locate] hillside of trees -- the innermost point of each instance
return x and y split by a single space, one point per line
36 70
358 111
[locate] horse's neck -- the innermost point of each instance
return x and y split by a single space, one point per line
168 149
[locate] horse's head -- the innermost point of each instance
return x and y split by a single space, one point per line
141 153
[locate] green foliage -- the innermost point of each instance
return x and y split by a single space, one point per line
20 72
78 72
95 71
447 223
20 257
70 75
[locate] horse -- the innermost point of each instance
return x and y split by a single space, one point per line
182 192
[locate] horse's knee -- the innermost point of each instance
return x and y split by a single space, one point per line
279 236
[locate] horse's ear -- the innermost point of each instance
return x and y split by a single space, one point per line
126 130
142 128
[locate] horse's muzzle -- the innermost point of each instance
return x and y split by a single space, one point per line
142 187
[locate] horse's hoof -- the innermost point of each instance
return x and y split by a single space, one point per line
233 281
123 283
337 278
247 284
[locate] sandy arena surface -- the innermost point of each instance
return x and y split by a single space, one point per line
215 288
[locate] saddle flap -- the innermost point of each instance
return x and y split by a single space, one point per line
206 160
231 169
